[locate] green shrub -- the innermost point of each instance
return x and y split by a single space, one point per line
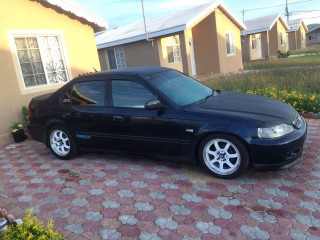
301 102
283 54
31 229
25 115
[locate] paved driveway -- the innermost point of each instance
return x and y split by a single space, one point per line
118 196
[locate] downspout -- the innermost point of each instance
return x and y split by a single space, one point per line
268 44
145 25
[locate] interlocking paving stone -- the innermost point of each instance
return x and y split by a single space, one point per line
111 196
93 216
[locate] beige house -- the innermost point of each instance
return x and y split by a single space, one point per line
297 34
201 40
263 37
42 48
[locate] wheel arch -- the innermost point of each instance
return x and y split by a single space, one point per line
57 123
206 134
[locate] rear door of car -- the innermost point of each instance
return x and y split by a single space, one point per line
83 110
136 129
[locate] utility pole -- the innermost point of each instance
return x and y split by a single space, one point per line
287 11
243 12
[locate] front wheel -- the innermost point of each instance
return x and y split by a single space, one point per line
61 143
223 156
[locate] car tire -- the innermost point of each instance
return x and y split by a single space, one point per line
224 156
61 143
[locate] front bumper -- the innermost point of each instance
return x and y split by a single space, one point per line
280 153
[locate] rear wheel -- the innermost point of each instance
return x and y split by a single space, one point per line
61 143
223 156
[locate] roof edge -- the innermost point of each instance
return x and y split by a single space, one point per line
206 12
255 31
142 37
89 18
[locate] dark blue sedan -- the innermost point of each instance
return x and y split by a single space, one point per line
160 111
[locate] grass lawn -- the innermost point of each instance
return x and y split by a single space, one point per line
309 60
292 80
308 50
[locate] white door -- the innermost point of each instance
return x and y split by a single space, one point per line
193 60
260 47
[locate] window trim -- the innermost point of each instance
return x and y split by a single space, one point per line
173 46
281 39
234 49
12 34
107 57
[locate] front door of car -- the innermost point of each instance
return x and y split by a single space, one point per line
136 129
83 111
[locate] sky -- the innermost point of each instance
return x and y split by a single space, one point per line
123 12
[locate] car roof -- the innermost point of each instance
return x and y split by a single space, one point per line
130 71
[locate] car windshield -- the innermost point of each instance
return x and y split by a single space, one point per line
181 89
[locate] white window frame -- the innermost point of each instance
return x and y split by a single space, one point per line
231 43
12 34
115 49
174 43
281 39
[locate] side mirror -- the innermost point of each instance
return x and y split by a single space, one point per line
153 105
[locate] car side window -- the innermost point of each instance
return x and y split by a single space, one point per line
130 94
90 93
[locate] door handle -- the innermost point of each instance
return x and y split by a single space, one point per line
118 118
66 115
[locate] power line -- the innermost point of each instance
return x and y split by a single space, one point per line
280 5
306 11
312 17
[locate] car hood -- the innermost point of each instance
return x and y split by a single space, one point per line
248 106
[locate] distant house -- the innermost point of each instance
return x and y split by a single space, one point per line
201 40
44 44
313 36
263 37
297 34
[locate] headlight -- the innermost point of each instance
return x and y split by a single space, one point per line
274 132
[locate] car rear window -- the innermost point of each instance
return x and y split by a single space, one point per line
89 93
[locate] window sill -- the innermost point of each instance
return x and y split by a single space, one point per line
43 88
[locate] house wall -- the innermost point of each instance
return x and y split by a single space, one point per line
228 63
274 39
206 46
103 59
210 44
301 44
282 29
265 42
245 47
248 53
292 36
142 53
79 46
186 38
